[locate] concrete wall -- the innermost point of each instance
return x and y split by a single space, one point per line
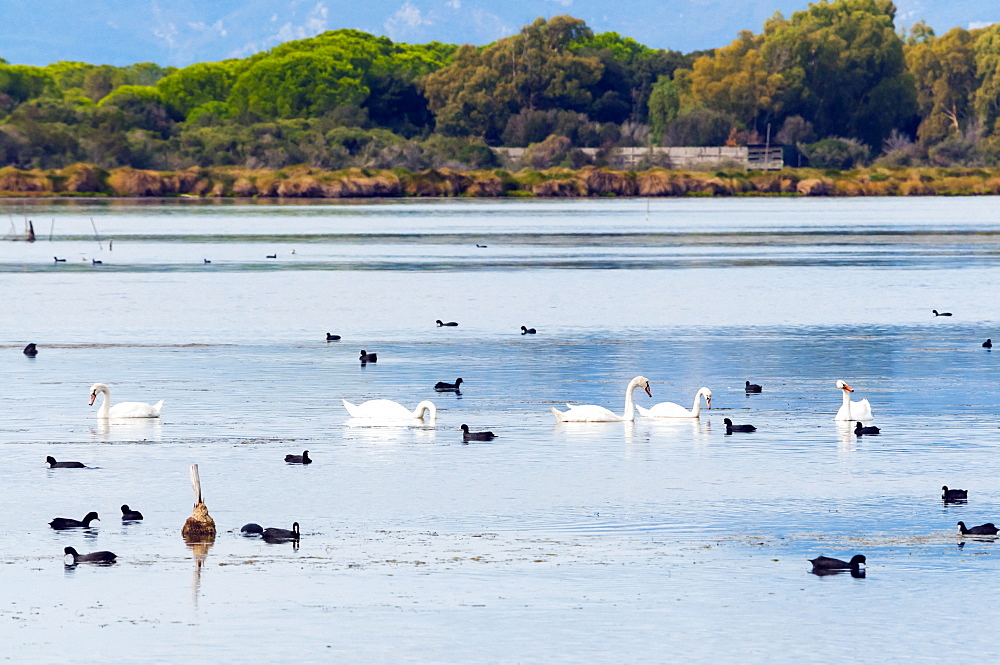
692 158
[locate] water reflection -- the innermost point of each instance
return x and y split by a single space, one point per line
199 552
699 431
860 573
127 429
847 442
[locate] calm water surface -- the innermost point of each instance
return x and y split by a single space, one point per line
657 541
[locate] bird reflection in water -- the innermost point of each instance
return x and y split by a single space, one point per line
199 550
859 573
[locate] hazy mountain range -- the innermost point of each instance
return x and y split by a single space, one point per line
179 32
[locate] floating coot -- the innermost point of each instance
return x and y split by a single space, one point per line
988 529
93 557
860 429
332 338
825 565
299 459
31 350
66 523
937 313
476 436
130 515
988 344
753 388
953 496
528 331
252 529
451 324
273 535
53 464
443 387
730 427
368 357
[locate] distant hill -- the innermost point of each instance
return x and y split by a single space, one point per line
180 32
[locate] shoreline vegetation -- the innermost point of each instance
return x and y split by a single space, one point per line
297 182
834 86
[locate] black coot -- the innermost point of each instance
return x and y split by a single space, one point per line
753 388
368 357
443 387
31 350
299 459
130 515
528 331
730 427
273 535
937 313
332 338
476 436
93 557
860 429
252 529
988 344
53 464
825 564
988 529
450 323
66 523
953 496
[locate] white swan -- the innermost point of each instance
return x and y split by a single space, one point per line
853 411
672 410
386 409
590 413
122 409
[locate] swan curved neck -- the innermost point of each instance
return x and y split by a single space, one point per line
847 403
696 407
104 410
427 407
629 414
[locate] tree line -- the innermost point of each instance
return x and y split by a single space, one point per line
837 80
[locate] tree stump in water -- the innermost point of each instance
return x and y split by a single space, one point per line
200 526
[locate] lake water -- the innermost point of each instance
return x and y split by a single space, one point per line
654 541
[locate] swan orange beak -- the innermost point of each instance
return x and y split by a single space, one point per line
848 388
648 392
93 396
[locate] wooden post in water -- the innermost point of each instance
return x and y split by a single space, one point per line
200 526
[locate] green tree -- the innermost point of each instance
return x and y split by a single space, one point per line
664 105
196 85
297 85
735 80
987 56
143 107
19 83
536 69
944 71
843 68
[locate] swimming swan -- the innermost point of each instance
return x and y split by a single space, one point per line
853 411
386 409
672 410
122 409
590 413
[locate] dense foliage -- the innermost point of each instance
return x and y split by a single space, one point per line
835 80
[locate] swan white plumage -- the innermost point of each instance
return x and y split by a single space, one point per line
591 413
853 411
122 409
386 409
673 410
